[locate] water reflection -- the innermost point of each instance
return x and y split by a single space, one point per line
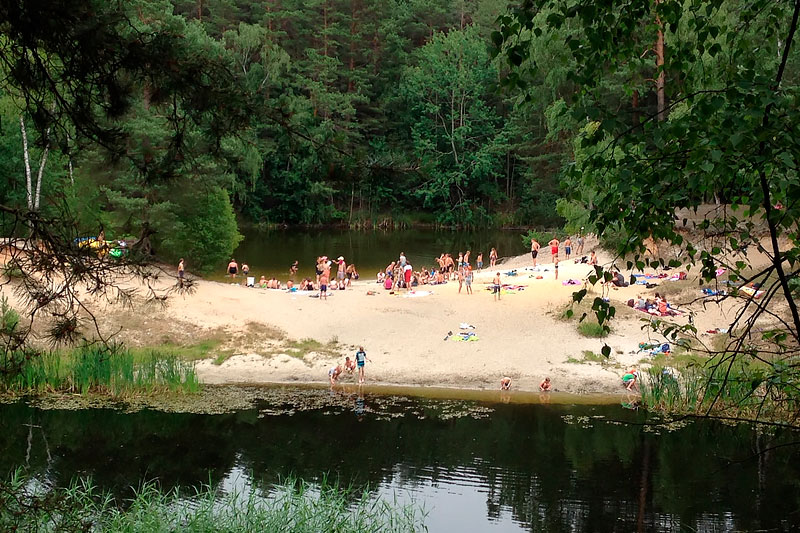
273 252
476 466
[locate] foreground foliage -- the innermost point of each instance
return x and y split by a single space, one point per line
291 507
681 105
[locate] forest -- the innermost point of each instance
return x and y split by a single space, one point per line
178 121
367 113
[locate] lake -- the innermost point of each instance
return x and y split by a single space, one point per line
272 252
474 465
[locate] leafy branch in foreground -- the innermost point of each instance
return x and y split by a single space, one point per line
723 129
56 276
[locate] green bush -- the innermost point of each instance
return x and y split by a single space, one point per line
9 318
207 233
591 329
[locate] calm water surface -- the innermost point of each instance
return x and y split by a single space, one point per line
272 252
475 466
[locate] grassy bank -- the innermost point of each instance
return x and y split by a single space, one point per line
717 386
112 371
292 507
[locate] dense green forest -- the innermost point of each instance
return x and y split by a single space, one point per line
361 113
177 120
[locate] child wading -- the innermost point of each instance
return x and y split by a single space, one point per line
361 358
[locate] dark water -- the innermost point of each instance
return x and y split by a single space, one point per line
475 466
272 252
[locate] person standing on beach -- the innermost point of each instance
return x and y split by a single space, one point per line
535 250
460 279
324 278
245 270
233 268
181 272
496 286
567 246
555 266
341 269
361 359
554 247
579 242
479 261
466 259
493 258
468 279
402 259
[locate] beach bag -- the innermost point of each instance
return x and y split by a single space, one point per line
630 302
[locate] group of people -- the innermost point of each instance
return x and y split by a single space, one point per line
323 282
400 274
545 386
657 305
555 246
349 367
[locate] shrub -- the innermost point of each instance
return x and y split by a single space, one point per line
591 329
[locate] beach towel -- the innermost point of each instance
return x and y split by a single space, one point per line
751 292
464 325
417 294
469 336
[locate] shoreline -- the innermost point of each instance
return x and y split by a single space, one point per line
232 397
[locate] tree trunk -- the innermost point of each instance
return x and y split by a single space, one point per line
69 162
41 170
661 80
26 157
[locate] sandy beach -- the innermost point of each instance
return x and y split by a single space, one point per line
523 335
411 338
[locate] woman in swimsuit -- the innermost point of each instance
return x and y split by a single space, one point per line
492 258
233 268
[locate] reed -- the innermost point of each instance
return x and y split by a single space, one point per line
753 391
113 371
291 507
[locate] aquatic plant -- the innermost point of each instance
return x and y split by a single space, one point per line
726 390
95 368
291 507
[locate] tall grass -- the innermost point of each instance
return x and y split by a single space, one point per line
115 371
746 391
291 507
